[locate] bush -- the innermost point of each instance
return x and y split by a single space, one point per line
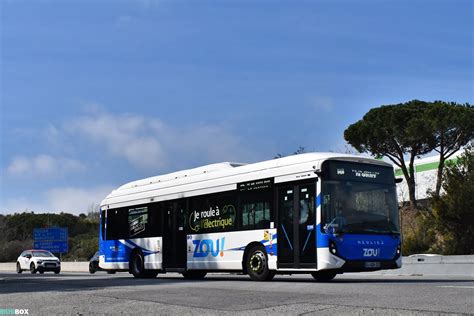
418 234
453 212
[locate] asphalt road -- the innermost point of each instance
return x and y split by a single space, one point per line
80 293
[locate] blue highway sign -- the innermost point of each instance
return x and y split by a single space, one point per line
54 239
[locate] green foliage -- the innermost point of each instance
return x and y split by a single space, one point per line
412 129
394 131
16 233
452 127
417 231
453 212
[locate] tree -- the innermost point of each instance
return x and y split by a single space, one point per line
395 131
453 211
452 127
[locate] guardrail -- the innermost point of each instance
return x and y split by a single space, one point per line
411 266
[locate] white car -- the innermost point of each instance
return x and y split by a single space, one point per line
38 261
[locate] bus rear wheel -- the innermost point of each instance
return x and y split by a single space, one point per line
194 275
137 267
323 276
257 264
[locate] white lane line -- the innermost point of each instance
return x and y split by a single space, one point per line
458 286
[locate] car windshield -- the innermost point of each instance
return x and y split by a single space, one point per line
43 254
359 207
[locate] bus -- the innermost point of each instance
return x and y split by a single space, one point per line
317 213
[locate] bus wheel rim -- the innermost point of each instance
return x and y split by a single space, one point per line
257 262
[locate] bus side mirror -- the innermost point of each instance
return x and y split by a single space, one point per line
317 172
398 180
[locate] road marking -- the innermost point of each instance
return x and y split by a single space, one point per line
458 287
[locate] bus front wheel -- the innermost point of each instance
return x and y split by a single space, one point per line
323 276
257 264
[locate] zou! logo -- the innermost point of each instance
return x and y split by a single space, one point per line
371 252
204 247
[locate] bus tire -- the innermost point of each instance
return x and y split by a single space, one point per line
194 275
137 264
257 264
323 276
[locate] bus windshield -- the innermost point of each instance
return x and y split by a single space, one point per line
359 199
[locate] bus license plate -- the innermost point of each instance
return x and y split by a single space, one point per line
372 264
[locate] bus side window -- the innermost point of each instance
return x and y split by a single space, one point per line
255 210
117 224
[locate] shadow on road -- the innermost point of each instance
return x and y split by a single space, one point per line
25 283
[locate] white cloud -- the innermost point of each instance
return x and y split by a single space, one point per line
75 200
124 136
43 165
20 205
150 144
67 199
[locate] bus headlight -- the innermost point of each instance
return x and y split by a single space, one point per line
398 252
332 247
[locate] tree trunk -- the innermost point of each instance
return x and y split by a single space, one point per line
411 193
439 176
411 182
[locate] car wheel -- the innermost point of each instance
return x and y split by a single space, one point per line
91 268
18 268
41 271
257 264
32 268
323 276
194 275
57 271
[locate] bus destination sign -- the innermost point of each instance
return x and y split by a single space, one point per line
255 185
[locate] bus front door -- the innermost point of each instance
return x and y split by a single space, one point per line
297 226
174 236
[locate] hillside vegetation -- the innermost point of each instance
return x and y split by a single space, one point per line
16 233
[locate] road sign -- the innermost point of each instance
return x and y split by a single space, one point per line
54 239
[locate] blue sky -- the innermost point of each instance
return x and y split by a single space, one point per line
94 94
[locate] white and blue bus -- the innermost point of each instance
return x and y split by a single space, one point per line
316 213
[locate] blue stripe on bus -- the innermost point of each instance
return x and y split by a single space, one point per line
318 201
307 239
146 252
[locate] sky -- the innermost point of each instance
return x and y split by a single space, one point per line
94 94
